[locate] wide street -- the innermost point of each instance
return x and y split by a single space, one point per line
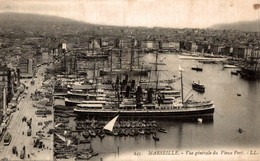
18 129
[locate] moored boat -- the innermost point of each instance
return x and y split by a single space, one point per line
131 132
141 131
84 156
115 133
143 72
125 132
85 134
197 68
7 139
234 72
162 130
92 133
85 141
230 66
101 135
155 137
198 87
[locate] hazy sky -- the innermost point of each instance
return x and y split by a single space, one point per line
165 13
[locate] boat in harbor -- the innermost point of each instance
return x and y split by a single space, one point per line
7 139
198 87
78 98
84 156
155 137
208 61
143 72
85 134
92 133
234 72
197 68
141 131
230 66
110 126
101 135
162 130
251 68
84 141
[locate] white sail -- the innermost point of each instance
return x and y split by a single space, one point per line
58 124
109 126
61 137
181 69
68 141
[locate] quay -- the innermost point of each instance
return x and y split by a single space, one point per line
18 128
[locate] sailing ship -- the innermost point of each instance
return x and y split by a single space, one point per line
251 68
133 70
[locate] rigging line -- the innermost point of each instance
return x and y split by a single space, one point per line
219 114
187 94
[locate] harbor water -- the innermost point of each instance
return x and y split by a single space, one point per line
236 100
231 113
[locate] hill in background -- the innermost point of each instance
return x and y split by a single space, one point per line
40 25
250 26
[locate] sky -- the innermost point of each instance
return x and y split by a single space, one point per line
148 13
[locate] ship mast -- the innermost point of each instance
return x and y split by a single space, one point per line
94 71
181 87
132 55
156 72
111 64
120 57
120 74
93 45
138 56
141 72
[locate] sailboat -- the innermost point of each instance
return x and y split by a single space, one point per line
68 141
110 125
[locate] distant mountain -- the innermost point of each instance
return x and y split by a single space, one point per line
250 26
35 18
41 24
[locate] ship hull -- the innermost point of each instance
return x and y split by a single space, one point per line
134 72
197 69
250 74
207 112
71 103
198 88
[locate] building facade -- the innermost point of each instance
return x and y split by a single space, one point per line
6 83
26 67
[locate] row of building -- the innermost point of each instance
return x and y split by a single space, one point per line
170 45
9 81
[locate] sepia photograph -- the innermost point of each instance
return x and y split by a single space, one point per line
129 80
